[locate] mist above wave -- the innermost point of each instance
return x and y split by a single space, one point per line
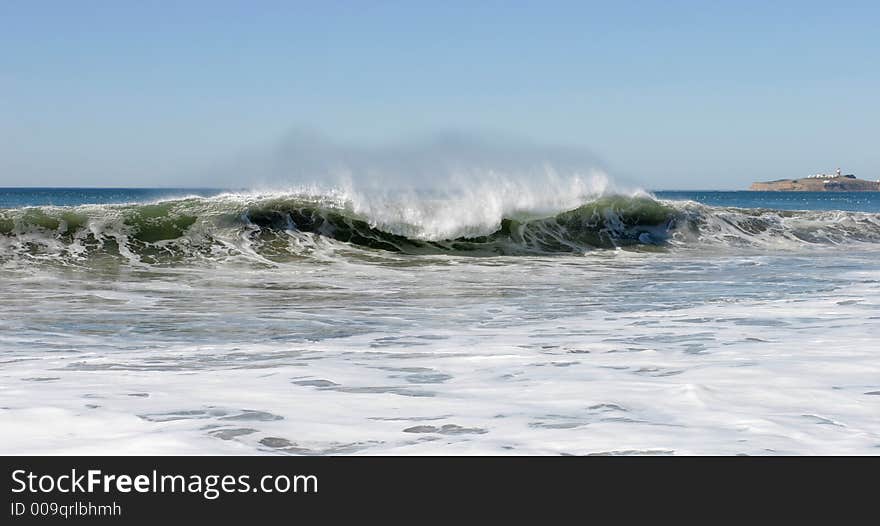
438 162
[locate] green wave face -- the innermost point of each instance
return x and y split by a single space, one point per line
617 221
286 228
606 223
160 222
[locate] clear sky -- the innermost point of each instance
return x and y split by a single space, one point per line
671 94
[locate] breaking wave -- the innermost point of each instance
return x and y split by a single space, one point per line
283 227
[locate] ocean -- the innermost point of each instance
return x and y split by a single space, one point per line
181 321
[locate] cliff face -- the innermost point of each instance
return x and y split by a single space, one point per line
836 184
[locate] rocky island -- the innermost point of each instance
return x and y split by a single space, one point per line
819 183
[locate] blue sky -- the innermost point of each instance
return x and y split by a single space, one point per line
667 94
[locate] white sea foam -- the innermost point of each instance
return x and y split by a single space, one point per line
476 204
614 352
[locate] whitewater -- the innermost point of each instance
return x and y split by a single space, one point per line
501 320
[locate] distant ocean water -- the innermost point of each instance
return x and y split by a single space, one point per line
852 201
22 196
204 321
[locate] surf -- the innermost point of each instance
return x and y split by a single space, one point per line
281 226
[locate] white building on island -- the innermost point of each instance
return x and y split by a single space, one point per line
831 176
